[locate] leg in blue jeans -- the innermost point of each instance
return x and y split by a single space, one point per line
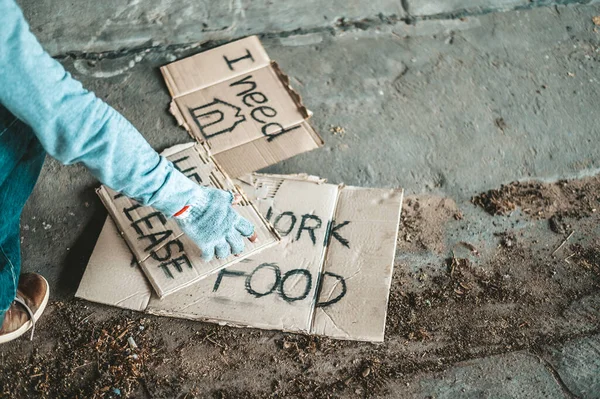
21 159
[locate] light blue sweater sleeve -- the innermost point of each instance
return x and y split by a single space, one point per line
73 125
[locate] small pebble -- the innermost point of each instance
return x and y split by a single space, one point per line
132 343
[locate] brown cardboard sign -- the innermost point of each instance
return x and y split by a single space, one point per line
330 275
238 102
170 260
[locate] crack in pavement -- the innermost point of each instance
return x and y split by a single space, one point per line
341 25
556 376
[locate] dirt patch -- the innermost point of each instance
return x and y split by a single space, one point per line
516 301
436 211
442 310
588 258
86 360
567 198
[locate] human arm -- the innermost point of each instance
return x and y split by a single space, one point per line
74 126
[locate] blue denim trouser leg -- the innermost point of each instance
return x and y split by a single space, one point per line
21 159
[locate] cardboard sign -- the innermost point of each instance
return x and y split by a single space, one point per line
170 260
238 102
330 275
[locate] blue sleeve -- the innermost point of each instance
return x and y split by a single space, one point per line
74 125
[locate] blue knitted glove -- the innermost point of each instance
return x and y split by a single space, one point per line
210 221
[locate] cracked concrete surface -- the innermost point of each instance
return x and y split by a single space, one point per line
577 364
117 24
517 374
114 25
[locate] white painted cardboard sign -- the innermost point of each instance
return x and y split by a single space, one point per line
170 260
330 275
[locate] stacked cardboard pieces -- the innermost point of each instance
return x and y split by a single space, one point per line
329 274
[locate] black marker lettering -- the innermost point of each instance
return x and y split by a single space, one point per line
177 263
217 117
269 214
310 229
337 298
292 223
195 176
231 62
155 238
337 235
263 110
167 249
245 81
274 135
327 234
176 164
225 272
132 208
277 272
307 285
146 219
253 96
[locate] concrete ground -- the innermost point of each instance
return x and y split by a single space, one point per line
447 99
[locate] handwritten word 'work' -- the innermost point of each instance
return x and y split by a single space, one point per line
285 222
278 285
218 117
173 255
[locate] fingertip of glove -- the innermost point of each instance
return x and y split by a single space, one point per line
223 250
244 227
206 255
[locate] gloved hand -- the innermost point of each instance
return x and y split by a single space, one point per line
213 225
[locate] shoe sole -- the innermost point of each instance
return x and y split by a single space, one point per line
25 327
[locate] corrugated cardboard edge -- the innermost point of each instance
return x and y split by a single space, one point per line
387 298
170 81
285 81
283 78
245 201
176 112
165 313
300 176
109 205
167 152
247 178
313 306
389 287
112 210
239 258
111 244
105 198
